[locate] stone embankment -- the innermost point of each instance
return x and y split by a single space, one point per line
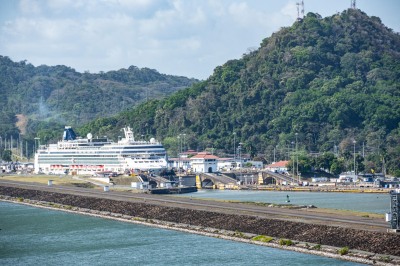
381 248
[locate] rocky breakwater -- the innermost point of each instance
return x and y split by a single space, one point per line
373 242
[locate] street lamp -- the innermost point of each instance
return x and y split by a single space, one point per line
183 149
179 149
240 160
179 160
38 143
234 147
297 161
293 159
354 155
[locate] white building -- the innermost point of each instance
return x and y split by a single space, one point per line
204 162
179 163
280 167
226 164
256 164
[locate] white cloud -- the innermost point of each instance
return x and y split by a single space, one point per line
182 37
30 7
60 5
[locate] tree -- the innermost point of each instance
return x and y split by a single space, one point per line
6 156
337 166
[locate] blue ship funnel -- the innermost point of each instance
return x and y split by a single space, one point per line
69 134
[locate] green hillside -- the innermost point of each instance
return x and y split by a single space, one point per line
331 80
50 96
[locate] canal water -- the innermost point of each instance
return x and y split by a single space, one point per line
364 202
35 236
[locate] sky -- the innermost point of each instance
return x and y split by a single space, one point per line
178 37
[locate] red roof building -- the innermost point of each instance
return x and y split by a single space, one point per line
280 166
204 162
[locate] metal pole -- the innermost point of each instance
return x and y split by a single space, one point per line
297 161
179 154
354 155
293 159
288 151
234 147
184 144
363 151
21 146
240 160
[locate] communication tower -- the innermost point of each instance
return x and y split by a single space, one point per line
300 10
353 4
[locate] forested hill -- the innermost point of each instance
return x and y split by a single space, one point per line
59 94
331 80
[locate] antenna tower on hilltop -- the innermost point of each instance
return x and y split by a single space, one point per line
353 4
300 11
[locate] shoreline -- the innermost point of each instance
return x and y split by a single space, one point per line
327 189
296 246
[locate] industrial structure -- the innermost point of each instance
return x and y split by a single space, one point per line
300 10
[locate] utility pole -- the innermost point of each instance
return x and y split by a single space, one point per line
234 147
354 155
297 161
293 159
184 143
21 147
240 159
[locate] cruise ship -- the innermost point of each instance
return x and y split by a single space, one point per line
90 156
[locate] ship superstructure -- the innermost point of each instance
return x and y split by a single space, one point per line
88 156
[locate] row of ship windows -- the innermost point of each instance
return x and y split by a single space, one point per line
148 161
104 152
90 156
136 148
78 162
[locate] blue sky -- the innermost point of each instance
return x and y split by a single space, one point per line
179 37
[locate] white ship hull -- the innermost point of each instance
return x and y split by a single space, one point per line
90 156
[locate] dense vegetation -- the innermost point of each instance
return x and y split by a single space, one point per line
48 97
331 80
